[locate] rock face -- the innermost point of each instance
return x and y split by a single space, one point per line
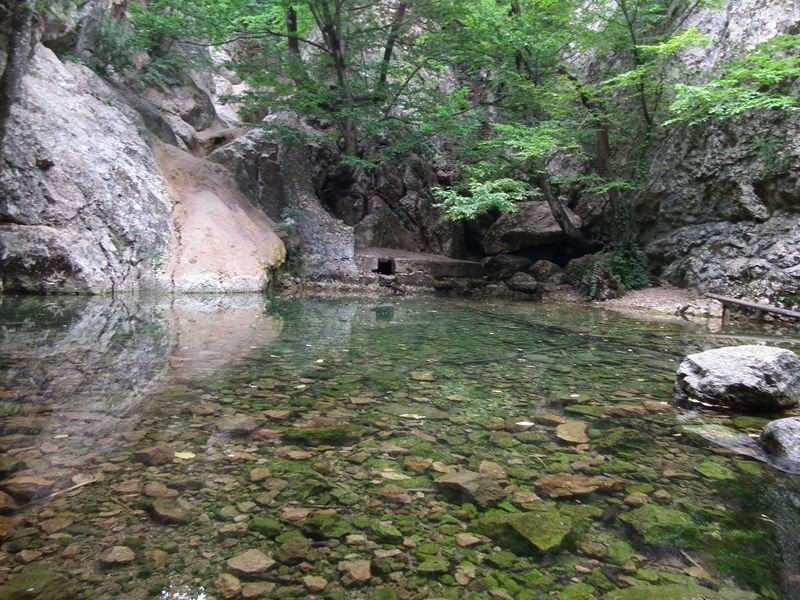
82 207
278 177
741 377
532 225
221 242
782 438
718 210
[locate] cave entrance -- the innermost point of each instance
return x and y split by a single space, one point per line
385 266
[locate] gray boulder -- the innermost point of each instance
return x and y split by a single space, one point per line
532 225
782 438
741 377
525 283
504 266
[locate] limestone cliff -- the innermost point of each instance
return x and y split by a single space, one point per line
85 209
720 208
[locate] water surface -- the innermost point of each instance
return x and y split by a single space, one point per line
316 431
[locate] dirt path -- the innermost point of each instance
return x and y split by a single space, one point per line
220 241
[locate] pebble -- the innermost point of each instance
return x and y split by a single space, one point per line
572 432
260 474
636 499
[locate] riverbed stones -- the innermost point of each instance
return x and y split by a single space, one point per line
656 523
315 584
7 503
480 489
782 438
565 485
228 586
741 377
37 582
538 531
117 556
293 551
355 572
160 454
572 432
27 487
249 564
171 511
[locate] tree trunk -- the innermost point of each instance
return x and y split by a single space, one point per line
394 33
559 214
291 30
17 56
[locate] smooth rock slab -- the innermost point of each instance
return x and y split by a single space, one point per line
741 377
480 489
782 438
250 563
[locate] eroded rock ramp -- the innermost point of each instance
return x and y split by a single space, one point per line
220 241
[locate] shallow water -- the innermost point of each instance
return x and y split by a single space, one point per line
315 431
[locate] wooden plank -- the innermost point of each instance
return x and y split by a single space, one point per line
765 307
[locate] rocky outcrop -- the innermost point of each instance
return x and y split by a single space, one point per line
82 207
720 207
277 175
530 226
741 377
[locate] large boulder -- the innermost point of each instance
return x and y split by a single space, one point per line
741 377
82 205
531 225
782 438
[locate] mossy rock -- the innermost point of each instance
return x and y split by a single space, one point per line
337 435
620 552
664 592
39 583
577 591
713 470
541 530
266 526
434 565
656 524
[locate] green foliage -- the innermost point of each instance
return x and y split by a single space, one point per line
481 196
754 82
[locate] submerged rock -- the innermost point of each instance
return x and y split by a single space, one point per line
355 572
564 485
664 592
118 555
250 563
480 489
37 582
742 377
542 530
782 438
657 524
